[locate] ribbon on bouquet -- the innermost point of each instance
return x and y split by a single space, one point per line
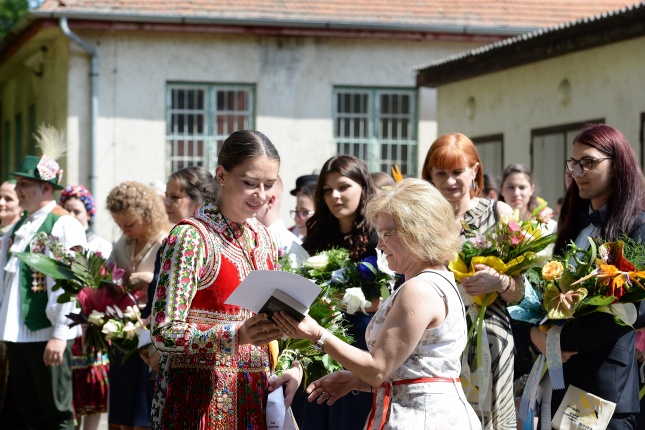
554 357
531 389
553 363
476 384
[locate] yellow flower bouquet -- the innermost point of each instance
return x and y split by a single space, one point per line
510 247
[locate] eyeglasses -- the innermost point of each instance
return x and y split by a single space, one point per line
382 235
302 214
586 164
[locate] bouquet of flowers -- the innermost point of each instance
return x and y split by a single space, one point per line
607 277
113 327
94 284
326 311
360 281
510 247
338 277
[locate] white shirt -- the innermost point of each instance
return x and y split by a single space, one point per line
99 245
12 327
287 242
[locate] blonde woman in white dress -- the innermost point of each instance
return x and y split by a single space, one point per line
416 337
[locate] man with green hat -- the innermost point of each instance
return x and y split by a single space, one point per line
32 323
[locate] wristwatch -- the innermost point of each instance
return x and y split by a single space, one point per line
318 345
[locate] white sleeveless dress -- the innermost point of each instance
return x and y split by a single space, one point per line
430 405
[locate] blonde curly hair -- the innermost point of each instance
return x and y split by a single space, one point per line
139 201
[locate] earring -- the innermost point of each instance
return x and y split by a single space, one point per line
474 186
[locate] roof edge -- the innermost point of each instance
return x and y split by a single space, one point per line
542 44
330 25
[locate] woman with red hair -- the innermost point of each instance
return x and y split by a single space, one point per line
453 166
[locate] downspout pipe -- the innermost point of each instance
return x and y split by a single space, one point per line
94 89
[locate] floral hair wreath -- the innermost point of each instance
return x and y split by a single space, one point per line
81 193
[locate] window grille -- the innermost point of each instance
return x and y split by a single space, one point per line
201 117
378 126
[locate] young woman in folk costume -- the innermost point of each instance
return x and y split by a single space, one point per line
215 362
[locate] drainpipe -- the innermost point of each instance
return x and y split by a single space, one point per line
94 89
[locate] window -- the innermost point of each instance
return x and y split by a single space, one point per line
201 117
378 126
491 152
550 148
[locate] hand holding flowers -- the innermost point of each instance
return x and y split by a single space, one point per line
109 312
488 265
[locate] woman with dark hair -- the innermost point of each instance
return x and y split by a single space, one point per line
453 166
304 210
215 361
343 189
619 193
605 200
519 192
187 189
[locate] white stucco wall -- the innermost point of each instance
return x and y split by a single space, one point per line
35 75
294 79
606 83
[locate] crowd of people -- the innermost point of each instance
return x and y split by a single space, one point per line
206 364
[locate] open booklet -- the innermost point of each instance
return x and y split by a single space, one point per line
272 291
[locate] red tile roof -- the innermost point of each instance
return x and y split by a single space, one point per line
491 14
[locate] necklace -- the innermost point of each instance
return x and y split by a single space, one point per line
136 259
242 248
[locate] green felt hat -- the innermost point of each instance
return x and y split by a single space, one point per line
42 168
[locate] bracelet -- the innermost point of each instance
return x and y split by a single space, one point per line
505 289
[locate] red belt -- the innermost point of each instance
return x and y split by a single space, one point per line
386 397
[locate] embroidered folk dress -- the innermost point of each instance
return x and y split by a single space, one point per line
428 405
206 379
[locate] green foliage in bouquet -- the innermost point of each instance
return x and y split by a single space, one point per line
326 311
72 271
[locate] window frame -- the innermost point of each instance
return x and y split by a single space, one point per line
563 129
210 138
491 139
374 146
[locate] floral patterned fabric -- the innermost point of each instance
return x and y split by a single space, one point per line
434 405
206 380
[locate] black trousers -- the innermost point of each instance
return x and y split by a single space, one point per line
41 395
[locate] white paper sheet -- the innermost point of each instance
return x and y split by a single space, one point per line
257 288
278 417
